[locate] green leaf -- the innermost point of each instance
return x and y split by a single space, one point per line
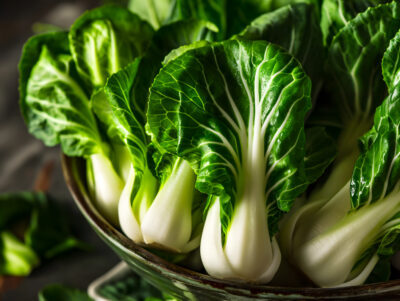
391 63
48 232
208 10
14 207
128 113
294 27
127 90
106 39
241 12
57 292
54 104
320 152
212 104
16 258
153 11
354 59
335 14
377 169
131 288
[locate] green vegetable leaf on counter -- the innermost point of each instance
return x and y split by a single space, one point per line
57 292
32 227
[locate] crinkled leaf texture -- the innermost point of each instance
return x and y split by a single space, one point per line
127 90
354 60
106 39
294 27
377 170
211 105
391 63
54 104
335 14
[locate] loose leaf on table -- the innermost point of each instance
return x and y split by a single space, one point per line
48 232
15 206
57 292
41 226
16 258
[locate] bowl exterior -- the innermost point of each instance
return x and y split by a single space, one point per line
188 285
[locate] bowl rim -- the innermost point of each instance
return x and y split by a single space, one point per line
180 273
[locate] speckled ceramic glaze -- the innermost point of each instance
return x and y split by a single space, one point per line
189 285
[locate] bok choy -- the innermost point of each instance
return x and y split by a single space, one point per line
330 216
223 108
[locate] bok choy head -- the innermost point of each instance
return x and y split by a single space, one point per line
370 230
159 205
353 57
60 76
235 111
356 214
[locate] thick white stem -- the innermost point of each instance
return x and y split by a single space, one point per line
329 258
211 250
107 187
168 222
127 220
321 216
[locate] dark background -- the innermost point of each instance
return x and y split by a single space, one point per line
22 156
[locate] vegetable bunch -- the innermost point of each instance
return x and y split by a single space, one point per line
203 123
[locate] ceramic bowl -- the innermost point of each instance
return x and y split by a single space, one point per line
185 284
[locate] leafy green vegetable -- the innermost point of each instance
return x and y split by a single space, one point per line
46 234
335 14
57 105
131 288
223 107
359 212
57 292
106 39
156 12
14 207
145 201
16 258
294 27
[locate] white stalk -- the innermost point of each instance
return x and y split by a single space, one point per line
329 258
168 222
127 220
107 187
248 254
211 250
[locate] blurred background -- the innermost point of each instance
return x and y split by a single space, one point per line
22 157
